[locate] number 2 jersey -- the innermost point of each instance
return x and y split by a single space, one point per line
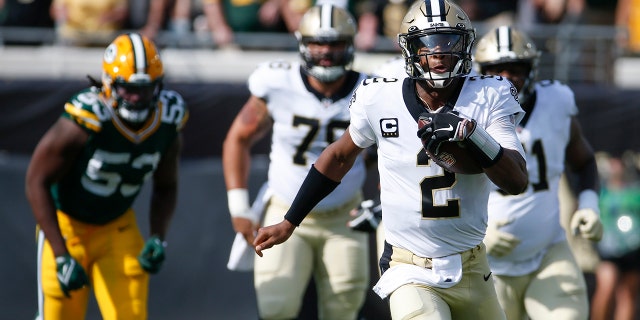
427 210
111 169
304 124
535 214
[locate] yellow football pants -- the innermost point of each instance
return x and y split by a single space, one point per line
108 254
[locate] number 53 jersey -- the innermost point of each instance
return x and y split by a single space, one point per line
116 160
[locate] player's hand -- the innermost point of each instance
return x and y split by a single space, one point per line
246 227
152 255
272 235
587 223
500 243
435 128
71 275
366 217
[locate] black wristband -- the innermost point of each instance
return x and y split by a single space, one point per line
315 187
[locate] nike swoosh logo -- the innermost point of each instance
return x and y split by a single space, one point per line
445 129
486 278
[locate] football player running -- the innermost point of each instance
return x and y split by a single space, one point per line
306 105
86 172
535 271
434 265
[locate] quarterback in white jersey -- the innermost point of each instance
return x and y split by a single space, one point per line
434 265
536 273
306 106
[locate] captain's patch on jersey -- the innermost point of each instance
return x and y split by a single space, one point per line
389 127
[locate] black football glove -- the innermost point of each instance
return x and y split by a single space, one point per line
71 275
440 127
367 216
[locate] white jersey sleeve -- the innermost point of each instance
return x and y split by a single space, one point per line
535 213
304 124
427 210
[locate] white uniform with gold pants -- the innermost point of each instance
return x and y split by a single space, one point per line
432 214
323 246
540 276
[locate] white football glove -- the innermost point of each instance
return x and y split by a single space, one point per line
587 223
500 243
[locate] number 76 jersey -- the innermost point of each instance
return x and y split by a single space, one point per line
304 123
427 210
115 162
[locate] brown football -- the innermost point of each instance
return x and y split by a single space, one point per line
455 157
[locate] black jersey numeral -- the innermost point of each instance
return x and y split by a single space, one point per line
333 128
429 185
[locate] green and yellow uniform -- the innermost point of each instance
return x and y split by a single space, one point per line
93 202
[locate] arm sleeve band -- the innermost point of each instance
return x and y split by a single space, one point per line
315 187
484 147
588 199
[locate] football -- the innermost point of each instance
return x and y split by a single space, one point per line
456 158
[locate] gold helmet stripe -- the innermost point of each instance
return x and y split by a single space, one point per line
504 40
139 54
435 10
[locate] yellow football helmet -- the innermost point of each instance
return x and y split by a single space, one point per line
132 62
441 27
506 44
327 23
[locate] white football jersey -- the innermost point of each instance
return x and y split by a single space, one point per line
427 210
535 214
304 124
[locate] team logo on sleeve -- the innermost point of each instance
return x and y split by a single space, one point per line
353 99
389 127
514 92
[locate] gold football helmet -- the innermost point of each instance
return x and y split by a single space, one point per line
436 28
131 62
327 23
504 45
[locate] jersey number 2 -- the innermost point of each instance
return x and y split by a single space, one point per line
429 186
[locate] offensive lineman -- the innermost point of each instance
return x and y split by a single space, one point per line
536 272
84 175
306 106
434 265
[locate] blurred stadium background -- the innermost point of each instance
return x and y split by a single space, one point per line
36 80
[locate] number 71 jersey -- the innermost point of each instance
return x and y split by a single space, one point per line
111 169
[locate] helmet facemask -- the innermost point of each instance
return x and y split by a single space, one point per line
340 60
324 25
436 57
137 111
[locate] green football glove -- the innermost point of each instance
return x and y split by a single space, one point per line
71 275
152 255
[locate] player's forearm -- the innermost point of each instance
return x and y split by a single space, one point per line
163 204
510 172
